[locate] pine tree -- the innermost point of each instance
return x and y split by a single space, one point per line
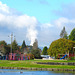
35 45
23 46
14 46
44 52
63 33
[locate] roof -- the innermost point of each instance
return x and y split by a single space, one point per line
45 56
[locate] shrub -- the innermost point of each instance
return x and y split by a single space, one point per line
60 46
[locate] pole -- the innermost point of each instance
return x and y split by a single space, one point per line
11 42
11 36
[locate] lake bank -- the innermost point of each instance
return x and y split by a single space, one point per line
38 69
32 65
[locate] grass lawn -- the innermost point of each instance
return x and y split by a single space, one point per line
31 63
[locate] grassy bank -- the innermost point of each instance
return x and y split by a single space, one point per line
31 63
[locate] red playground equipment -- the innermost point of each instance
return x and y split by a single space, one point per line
15 56
70 55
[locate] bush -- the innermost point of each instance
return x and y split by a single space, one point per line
31 56
36 53
72 58
60 46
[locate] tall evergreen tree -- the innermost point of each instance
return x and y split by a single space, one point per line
44 52
63 33
35 45
14 46
72 35
23 46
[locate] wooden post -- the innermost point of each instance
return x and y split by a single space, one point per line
74 52
68 54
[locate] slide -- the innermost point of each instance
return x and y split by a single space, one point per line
63 57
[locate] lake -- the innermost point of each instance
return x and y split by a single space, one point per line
26 72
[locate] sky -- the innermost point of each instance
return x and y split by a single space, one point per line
36 19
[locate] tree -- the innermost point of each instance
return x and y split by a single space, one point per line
63 33
36 53
4 48
35 45
14 46
72 35
44 52
23 46
60 46
3 43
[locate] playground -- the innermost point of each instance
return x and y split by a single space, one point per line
69 55
15 56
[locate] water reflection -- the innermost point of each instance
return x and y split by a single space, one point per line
26 72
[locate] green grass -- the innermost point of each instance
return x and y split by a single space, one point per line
31 63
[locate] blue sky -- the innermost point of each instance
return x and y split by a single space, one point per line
41 9
36 19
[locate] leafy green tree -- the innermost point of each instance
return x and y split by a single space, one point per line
44 52
5 49
14 46
61 46
3 43
72 35
63 33
36 53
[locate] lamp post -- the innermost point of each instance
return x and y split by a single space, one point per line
11 36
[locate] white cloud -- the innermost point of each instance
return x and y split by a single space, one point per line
18 22
26 27
4 8
46 25
61 21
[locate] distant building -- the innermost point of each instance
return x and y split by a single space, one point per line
46 57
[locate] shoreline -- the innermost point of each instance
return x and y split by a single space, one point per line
38 69
50 65
57 63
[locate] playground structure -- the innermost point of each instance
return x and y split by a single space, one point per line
69 55
63 57
15 56
72 55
